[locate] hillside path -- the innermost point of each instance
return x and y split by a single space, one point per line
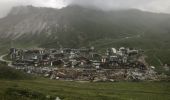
3 60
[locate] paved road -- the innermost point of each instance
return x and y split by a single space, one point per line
3 60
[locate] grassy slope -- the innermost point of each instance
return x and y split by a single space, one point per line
92 91
6 44
11 73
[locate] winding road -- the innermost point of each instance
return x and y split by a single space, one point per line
3 60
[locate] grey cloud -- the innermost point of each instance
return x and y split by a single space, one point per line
148 5
6 5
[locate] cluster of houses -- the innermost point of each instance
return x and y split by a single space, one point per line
82 64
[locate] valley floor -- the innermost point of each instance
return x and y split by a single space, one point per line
18 90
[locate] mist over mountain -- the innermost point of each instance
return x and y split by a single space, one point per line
151 5
76 26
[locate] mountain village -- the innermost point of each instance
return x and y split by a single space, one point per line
84 64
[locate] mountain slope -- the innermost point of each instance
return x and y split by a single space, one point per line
75 26
79 25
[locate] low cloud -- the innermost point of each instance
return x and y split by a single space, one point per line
6 5
148 5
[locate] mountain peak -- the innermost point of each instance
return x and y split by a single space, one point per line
21 10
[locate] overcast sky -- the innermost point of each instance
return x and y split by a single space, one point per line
148 5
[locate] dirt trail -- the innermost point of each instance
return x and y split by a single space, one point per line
3 60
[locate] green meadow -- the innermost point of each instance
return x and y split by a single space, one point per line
40 89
